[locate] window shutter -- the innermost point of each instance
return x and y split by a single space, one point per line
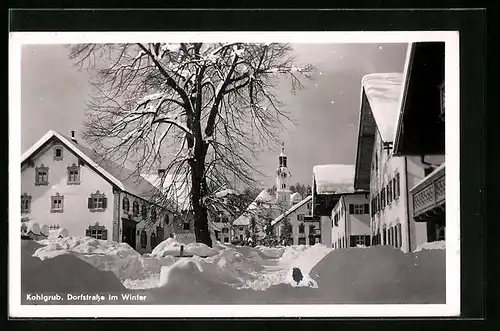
90 203
104 234
104 202
367 208
87 233
351 208
353 241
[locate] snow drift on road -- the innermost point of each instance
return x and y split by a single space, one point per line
173 247
432 245
244 275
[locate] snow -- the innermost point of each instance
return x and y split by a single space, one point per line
172 247
383 91
237 274
334 178
441 245
34 228
59 233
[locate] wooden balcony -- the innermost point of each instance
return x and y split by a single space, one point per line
429 196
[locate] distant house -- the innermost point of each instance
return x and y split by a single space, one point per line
330 182
68 185
388 177
303 232
420 136
350 221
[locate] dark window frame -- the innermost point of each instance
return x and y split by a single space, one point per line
42 175
57 203
25 203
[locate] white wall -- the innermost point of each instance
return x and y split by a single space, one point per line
349 224
76 216
339 230
399 211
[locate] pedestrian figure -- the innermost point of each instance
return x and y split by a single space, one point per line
297 275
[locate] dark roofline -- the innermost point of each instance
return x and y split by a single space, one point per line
409 66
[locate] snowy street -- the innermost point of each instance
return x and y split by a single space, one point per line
234 274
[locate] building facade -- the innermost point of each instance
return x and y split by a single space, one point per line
388 177
350 221
65 185
420 135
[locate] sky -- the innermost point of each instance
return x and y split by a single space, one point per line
326 110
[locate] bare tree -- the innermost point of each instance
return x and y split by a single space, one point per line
201 111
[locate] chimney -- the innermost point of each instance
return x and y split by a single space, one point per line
161 172
73 136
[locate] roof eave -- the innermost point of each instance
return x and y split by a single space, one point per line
406 80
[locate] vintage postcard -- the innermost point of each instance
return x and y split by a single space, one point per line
310 174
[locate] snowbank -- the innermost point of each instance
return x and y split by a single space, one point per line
105 255
59 233
432 245
334 178
35 228
171 246
62 274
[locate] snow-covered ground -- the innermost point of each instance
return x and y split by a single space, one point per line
236 274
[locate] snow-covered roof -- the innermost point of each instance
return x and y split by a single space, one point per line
263 201
225 193
125 179
383 91
334 178
296 197
291 210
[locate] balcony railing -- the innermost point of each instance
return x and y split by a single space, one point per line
429 193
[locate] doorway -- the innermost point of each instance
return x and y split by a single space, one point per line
128 232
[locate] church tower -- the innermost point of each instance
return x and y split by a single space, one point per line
283 192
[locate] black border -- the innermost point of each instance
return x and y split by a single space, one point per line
472 27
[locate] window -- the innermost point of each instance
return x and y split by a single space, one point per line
125 204
153 240
398 230
241 228
135 208
144 239
226 239
225 230
301 228
25 203
97 202
144 211
312 229
336 220
389 192
359 240
57 203
58 153
366 208
396 186
186 226
73 174
357 209
440 232
42 175
393 236
302 241
153 214
97 231
382 198
241 237
166 219
385 237
309 205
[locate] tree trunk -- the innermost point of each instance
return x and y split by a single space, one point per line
201 231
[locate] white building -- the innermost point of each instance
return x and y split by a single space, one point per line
386 176
303 232
350 221
66 185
